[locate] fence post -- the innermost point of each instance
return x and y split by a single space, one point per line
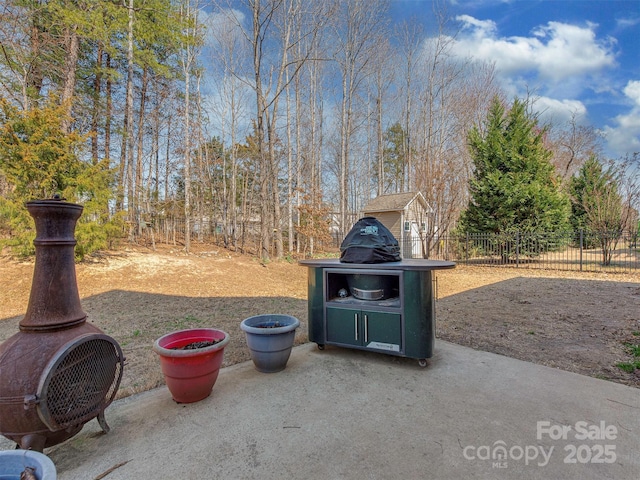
581 246
466 249
517 248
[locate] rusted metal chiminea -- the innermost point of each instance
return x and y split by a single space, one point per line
58 372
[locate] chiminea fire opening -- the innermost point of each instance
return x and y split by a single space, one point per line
79 380
58 372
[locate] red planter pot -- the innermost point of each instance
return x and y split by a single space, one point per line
191 374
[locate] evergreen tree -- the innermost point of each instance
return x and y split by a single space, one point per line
590 177
514 186
394 159
38 159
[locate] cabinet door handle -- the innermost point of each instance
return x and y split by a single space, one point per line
366 328
355 320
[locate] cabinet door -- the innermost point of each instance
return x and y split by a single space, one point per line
382 331
343 326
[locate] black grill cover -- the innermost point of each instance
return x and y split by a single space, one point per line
369 241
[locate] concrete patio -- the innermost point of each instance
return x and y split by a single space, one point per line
346 414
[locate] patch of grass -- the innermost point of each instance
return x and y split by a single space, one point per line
531 332
136 333
628 367
635 334
633 349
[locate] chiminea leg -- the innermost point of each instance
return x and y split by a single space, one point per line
33 441
103 422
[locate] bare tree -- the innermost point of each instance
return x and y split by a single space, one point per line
573 144
607 195
384 75
411 38
229 54
359 28
125 179
190 50
453 96
273 52
309 143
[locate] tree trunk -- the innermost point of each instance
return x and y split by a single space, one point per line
187 162
153 179
129 140
34 77
72 44
265 237
380 141
289 172
139 191
95 114
298 137
108 109
275 192
188 58
167 164
344 160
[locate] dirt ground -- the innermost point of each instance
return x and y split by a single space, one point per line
582 323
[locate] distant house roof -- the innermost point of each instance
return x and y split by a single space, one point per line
395 202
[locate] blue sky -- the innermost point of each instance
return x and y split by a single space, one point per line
579 57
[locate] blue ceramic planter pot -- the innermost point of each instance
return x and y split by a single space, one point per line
270 339
14 462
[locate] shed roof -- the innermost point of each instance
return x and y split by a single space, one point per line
395 202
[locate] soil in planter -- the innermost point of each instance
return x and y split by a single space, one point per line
196 345
269 325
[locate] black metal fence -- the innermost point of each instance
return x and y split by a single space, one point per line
573 251
577 251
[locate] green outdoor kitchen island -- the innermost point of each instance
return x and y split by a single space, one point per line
382 307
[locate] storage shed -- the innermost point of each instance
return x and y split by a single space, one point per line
406 215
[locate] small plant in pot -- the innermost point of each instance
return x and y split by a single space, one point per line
190 361
270 339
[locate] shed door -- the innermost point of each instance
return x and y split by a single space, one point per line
412 238
415 236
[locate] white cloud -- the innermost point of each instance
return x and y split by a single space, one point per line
630 22
571 51
480 28
562 64
552 53
632 91
624 136
560 111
